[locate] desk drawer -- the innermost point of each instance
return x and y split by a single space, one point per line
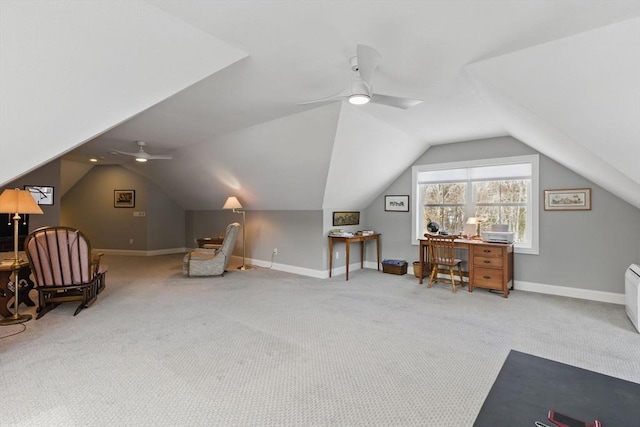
490 278
487 251
489 262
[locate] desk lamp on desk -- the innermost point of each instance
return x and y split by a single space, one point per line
475 221
17 202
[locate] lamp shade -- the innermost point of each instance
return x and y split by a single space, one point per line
18 201
472 220
232 203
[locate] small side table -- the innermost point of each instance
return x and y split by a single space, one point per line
6 295
210 242
347 241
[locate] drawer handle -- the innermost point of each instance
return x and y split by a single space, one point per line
486 277
486 250
486 261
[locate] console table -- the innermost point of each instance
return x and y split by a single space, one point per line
348 241
490 264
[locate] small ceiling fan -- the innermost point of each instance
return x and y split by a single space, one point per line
141 155
361 90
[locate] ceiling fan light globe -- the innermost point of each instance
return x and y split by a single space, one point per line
140 159
359 99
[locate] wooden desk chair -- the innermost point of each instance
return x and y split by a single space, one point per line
442 253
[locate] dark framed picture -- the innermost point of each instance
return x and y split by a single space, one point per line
124 198
346 218
575 199
396 203
43 195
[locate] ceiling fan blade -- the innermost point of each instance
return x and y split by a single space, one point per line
394 101
368 60
158 157
113 151
338 97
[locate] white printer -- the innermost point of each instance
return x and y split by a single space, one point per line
498 234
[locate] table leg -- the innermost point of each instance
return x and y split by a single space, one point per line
348 245
361 254
24 297
378 250
422 266
5 294
330 255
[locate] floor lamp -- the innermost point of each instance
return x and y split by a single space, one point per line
233 203
17 202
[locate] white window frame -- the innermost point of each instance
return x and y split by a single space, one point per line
533 199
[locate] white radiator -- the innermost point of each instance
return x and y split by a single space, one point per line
632 296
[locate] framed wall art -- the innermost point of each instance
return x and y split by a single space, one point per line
396 203
574 199
346 218
43 195
124 198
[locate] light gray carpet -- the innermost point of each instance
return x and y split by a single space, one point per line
267 348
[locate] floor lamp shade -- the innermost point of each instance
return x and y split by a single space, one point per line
17 202
233 203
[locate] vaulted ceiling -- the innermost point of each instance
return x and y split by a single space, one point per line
216 85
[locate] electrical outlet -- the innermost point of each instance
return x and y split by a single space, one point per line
337 255
275 251
131 241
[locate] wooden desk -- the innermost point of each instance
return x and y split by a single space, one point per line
490 264
6 273
348 241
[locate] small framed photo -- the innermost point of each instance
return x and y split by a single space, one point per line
574 199
124 198
396 203
346 218
43 195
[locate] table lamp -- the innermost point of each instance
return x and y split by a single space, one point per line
475 221
17 202
233 203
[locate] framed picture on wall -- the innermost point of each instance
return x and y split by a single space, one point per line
124 198
346 218
396 203
43 195
575 199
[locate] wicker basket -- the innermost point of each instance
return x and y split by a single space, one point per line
394 269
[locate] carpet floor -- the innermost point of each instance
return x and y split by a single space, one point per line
268 348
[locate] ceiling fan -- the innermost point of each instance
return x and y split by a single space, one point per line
361 90
141 155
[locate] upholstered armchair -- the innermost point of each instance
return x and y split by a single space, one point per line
211 262
64 267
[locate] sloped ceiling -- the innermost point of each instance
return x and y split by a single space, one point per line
560 73
588 116
70 70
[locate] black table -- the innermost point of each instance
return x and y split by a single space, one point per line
527 387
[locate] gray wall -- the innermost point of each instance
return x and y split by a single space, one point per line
581 249
88 206
47 175
297 235
165 220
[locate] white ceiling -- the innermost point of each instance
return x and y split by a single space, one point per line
549 73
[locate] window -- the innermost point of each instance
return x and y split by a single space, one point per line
500 191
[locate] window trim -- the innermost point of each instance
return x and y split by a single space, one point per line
533 159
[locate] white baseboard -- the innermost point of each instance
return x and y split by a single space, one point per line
564 291
541 288
142 253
